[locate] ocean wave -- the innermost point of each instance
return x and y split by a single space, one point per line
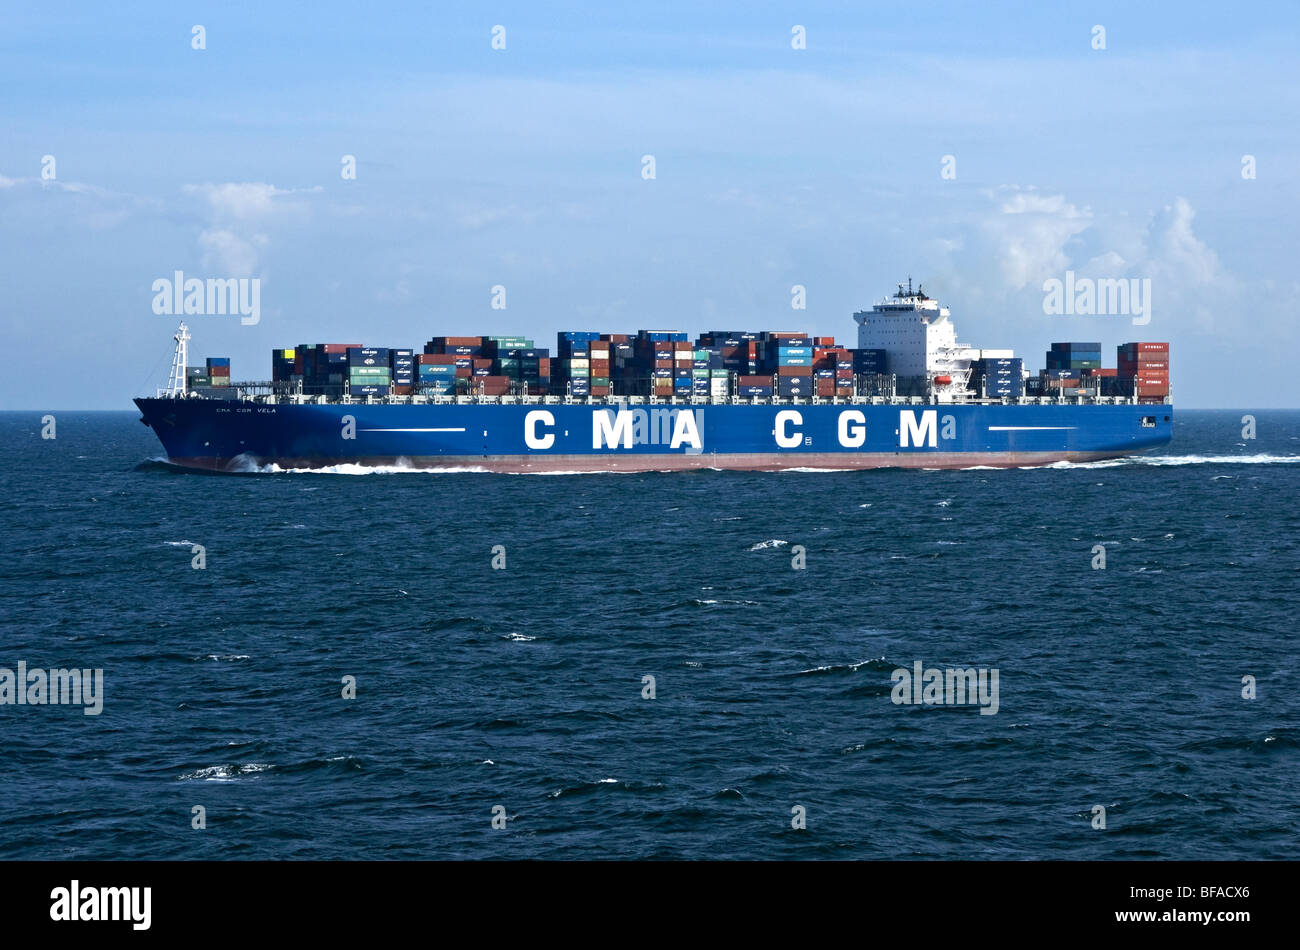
584 787
1165 460
878 663
225 773
774 543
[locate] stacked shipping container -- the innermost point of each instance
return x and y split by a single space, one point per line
996 378
219 370
720 363
1143 371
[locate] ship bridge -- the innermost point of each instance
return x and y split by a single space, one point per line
919 339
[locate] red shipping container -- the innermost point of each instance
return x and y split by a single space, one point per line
1104 371
1152 390
683 364
1162 348
219 371
1143 366
663 364
844 374
599 367
824 340
754 380
459 340
794 371
683 346
481 364
600 390
402 390
617 337
436 359
338 347
825 387
463 372
787 335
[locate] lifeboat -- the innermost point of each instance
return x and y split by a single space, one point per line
942 380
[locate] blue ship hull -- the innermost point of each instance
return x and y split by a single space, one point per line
238 435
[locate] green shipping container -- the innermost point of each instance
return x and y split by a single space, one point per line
600 380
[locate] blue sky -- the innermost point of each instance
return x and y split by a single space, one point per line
522 167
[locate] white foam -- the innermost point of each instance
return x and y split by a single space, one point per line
1163 460
224 773
802 470
774 543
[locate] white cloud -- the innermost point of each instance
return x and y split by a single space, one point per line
238 212
238 200
1031 231
1179 252
229 254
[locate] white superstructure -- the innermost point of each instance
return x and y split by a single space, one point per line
919 338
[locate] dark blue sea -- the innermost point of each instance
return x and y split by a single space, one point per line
523 688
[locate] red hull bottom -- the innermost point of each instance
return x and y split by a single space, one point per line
594 464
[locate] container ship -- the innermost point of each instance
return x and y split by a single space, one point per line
907 396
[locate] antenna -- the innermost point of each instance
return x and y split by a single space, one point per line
176 382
